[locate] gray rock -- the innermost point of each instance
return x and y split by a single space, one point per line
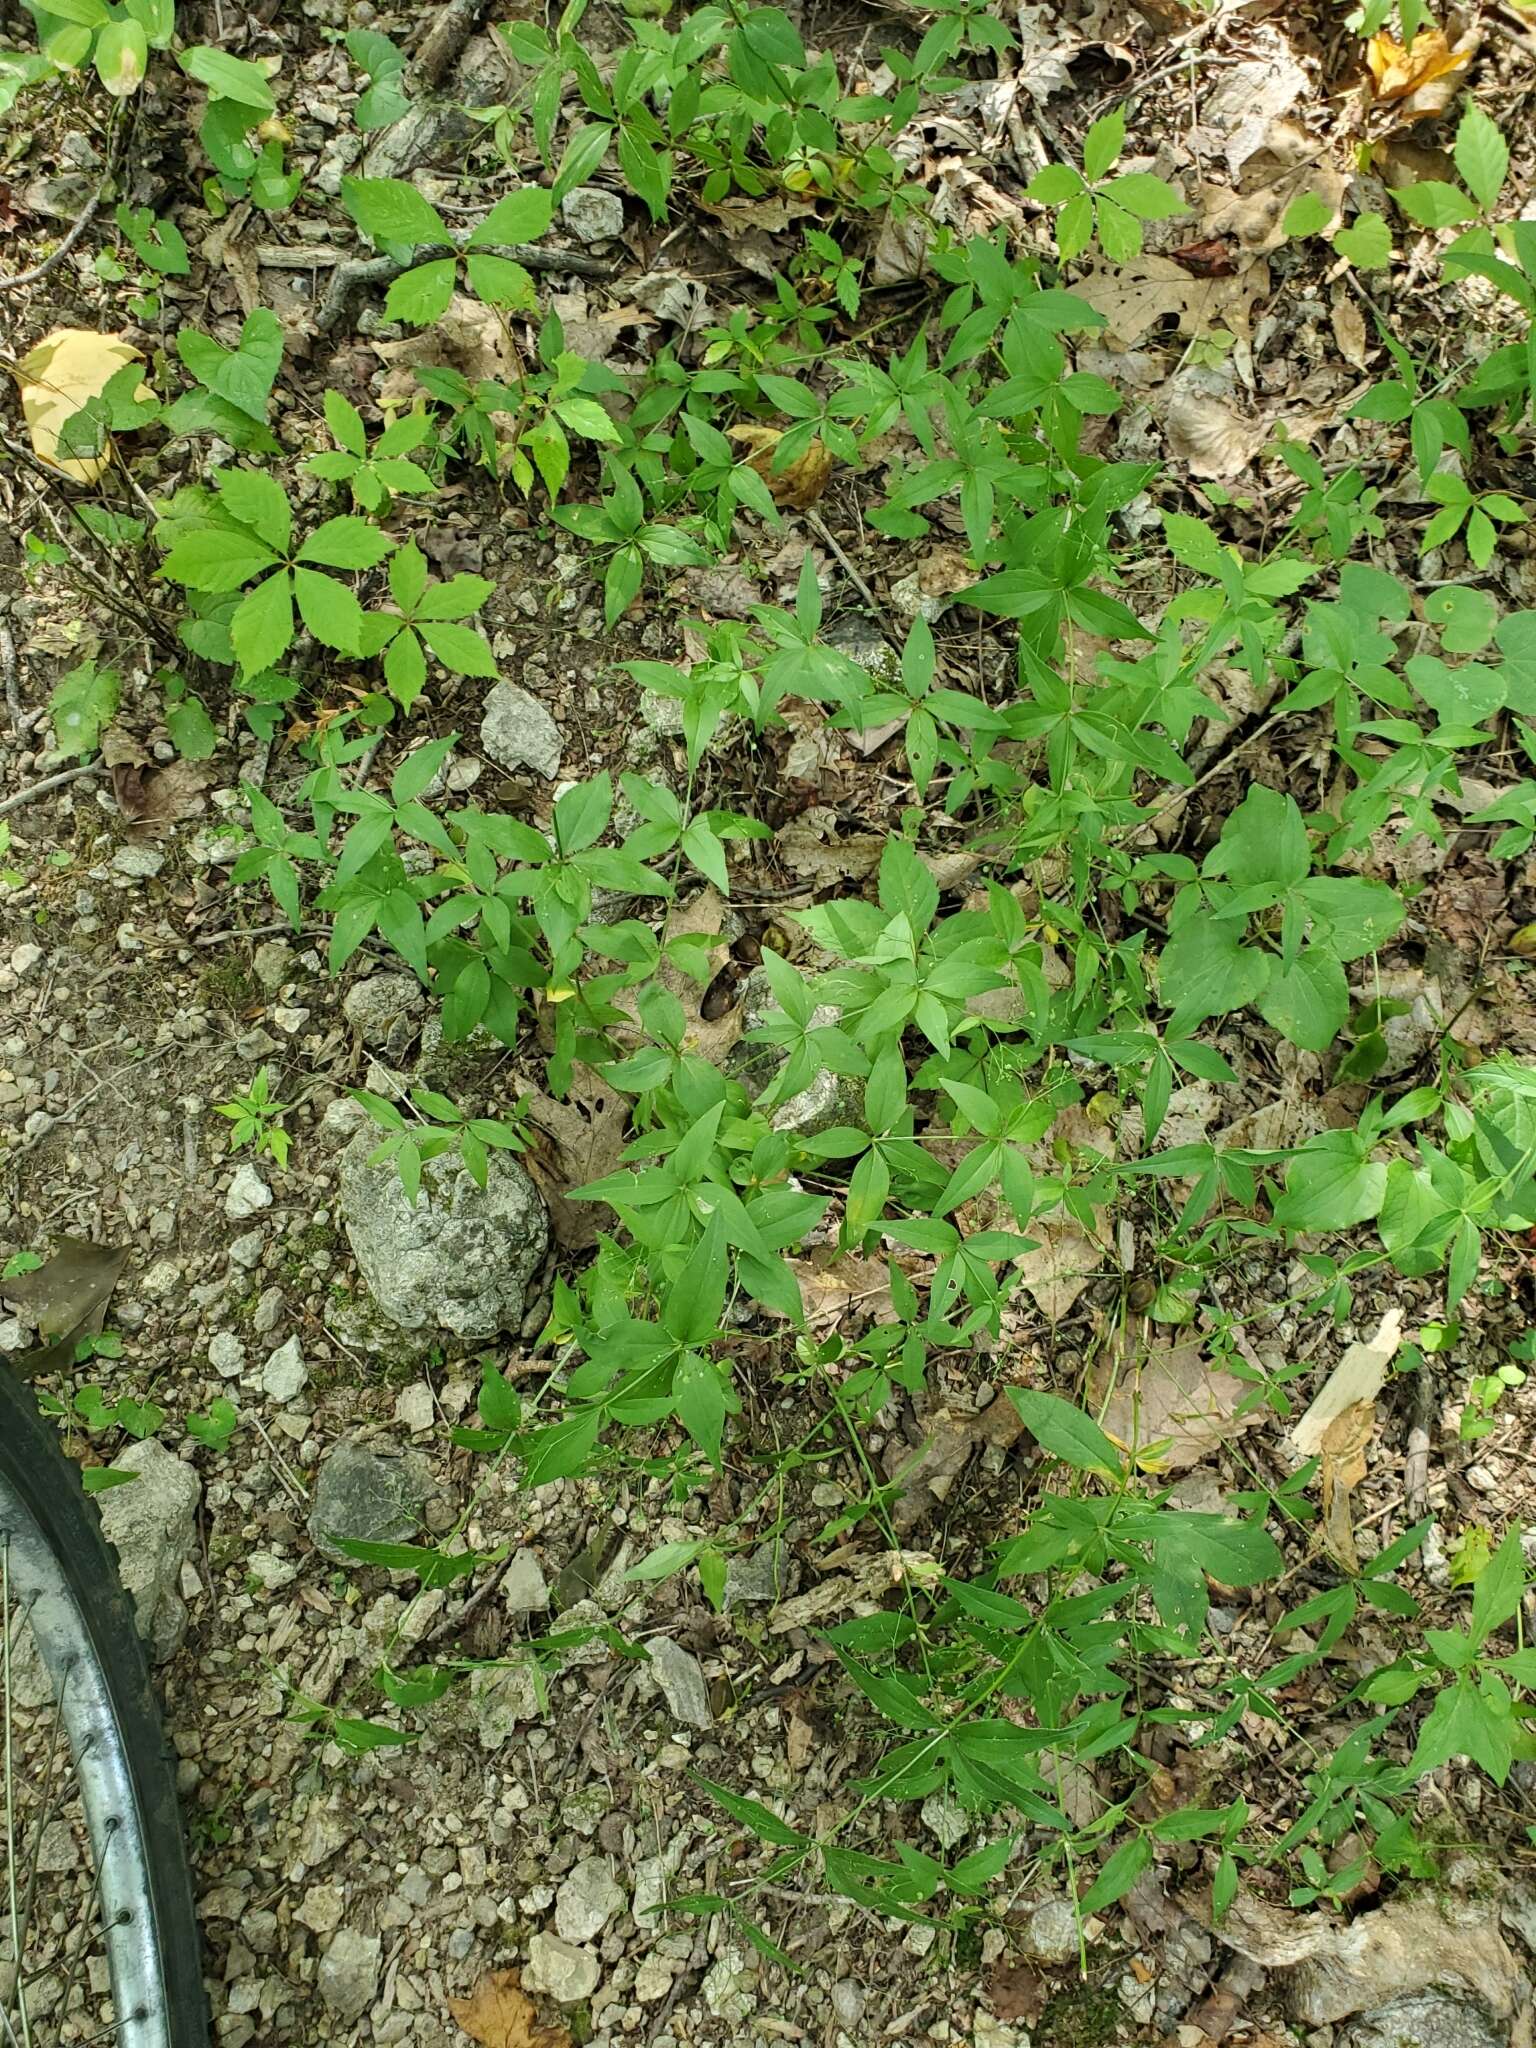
517 732
152 1526
273 963
848 2001
226 1354
560 1970
285 1375
383 1010
461 1259
62 198
681 1679
524 1589
759 1577
729 1987
268 1312
248 1194
137 863
1052 1935
593 214
587 1900
246 1249
343 1119
366 1496
1427 2019
24 958
858 636
946 1820
501 1698
828 1099
348 1976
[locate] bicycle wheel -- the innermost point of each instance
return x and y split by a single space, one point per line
98 1938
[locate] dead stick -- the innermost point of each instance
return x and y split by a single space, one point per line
357 271
49 782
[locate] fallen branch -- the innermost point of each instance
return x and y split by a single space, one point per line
355 271
48 783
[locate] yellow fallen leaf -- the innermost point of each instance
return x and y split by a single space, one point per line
1396 72
67 368
799 483
498 2013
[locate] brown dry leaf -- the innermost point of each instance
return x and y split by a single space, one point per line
1396 72
1286 165
1064 1260
799 1741
871 1578
1134 297
1209 438
1016 1991
901 248
573 1142
710 1037
64 1299
808 845
832 1287
470 338
1348 324
801 482
498 2013
926 1472
60 375
151 798
1171 1397
1344 1446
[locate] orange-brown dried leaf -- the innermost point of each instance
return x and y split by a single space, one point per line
1396 72
498 2013
801 482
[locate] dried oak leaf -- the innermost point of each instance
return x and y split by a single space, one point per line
148 796
573 1142
799 483
1396 72
1134 297
64 1299
1172 1397
470 338
1209 438
498 2013
1345 1442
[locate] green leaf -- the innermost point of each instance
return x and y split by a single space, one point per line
753 1815
261 630
459 648
121 57
1307 1002
1482 156
1351 915
1066 1432
501 282
1263 843
1053 186
191 729
1499 1587
1434 205
1366 242
1103 143
1205 970
82 703
1331 1183
1118 1875
391 210
216 558
1148 197
330 610
455 598
346 424
420 297
521 216
259 502
1308 214
698 1394
230 78
346 543
1463 1722
405 668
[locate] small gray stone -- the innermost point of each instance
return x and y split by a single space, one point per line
289 1019
248 1194
366 1496
348 1976
729 1987
517 732
858 636
587 1900
848 2001
560 1970
273 963
501 1698
137 863
827 1099
285 1375
382 1011
945 1819
1426 2019
268 1312
152 1525
681 1679
246 1249
593 214
460 1257
24 959
524 1589
1052 1935
226 1354
759 1577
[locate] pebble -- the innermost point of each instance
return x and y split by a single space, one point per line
268 1312
246 1250
416 1408
587 1900
273 964
848 2001
289 1021
681 1679
348 1975
285 1375
517 732
138 863
524 1589
248 1194
226 1354
1051 1935
560 1970
945 1820
592 213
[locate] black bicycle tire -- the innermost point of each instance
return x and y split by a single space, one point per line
33 1463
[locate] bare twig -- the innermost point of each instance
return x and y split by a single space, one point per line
38 270
19 724
356 271
1416 1461
48 783
445 37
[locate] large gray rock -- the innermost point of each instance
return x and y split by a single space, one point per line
461 1258
348 1976
367 1496
828 1099
592 213
517 732
681 1679
152 1525
587 1900
383 1010
1428 2019
560 1970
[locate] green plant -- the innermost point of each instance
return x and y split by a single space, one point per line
429 1126
258 1120
392 213
240 101
115 39
1091 203
373 475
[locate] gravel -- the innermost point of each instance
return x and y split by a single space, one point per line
593 214
681 1679
560 1970
348 1976
587 1900
285 1375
